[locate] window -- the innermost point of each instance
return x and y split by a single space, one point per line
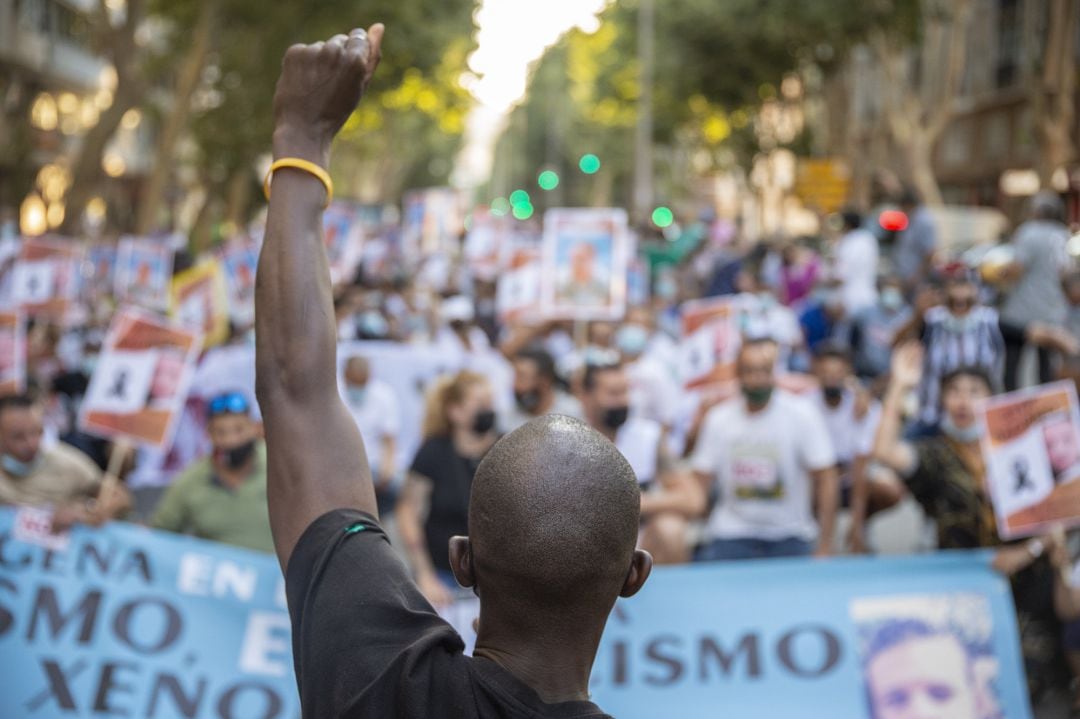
1008 37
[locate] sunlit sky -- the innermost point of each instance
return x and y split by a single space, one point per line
511 35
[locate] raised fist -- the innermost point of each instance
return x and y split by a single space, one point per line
320 85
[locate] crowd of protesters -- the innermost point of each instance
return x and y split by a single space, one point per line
863 358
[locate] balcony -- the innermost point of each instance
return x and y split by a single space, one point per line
43 37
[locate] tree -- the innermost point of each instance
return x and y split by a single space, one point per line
1053 89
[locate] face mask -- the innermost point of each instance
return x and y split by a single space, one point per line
757 396
833 395
17 468
616 417
632 339
666 289
527 401
89 365
236 457
373 324
483 422
892 298
964 436
356 395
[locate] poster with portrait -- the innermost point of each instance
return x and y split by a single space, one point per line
710 343
143 275
343 235
932 651
141 380
199 301
585 256
12 352
98 271
240 261
1032 451
432 221
45 281
517 293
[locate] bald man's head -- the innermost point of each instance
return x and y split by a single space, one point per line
553 521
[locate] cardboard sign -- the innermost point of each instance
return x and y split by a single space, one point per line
1032 452
143 273
240 262
199 301
432 221
12 353
98 271
46 277
484 243
585 255
141 380
710 342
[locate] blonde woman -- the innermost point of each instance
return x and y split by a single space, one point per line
459 429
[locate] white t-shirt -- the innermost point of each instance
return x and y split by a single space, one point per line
851 436
639 442
762 464
654 394
378 417
856 266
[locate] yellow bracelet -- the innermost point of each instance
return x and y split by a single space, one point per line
297 164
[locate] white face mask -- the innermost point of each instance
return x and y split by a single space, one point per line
18 468
967 435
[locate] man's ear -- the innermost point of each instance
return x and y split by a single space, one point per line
640 568
461 561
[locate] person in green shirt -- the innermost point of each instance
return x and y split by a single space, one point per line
222 497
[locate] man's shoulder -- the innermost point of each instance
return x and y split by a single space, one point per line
199 472
65 456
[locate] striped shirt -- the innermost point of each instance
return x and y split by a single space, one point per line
953 342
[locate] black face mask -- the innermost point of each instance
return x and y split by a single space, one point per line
236 457
833 395
483 422
527 401
615 417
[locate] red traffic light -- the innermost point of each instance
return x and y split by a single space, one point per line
893 220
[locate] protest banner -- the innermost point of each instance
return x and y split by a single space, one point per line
710 342
432 221
1032 452
141 380
46 277
143 273
124 620
517 293
199 301
585 256
343 235
12 353
240 261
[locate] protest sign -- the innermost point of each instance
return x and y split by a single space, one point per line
98 271
131 621
487 236
638 290
143 273
1032 451
199 301
343 235
46 277
710 342
432 221
517 294
585 255
141 379
12 353
240 261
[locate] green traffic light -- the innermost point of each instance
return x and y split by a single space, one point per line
548 180
523 211
500 206
663 217
519 197
590 164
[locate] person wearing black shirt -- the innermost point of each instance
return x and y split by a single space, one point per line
553 512
459 428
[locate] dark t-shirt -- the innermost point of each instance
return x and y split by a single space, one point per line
367 644
451 478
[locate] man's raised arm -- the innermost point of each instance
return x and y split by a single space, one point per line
316 460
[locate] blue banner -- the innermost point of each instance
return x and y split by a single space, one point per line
126 621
